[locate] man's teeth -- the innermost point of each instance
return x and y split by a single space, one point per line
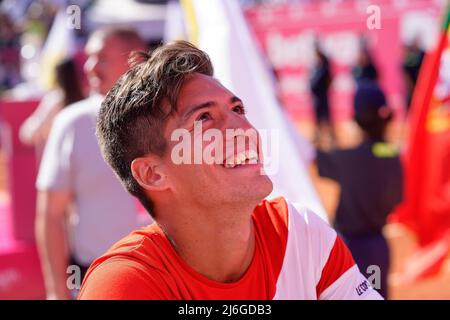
241 158
252 156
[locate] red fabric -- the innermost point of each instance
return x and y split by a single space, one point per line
426 205
144 265
339 261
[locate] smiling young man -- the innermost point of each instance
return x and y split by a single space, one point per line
215 237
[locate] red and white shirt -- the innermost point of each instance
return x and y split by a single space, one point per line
297 256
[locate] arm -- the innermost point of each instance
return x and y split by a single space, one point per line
52 241
35 129
55 192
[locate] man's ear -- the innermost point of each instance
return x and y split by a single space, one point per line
149 174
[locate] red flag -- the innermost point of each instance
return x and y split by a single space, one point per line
426 205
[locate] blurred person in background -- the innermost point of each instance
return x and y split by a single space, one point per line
36 128
370 179
413 57
320 82
365 67
82 209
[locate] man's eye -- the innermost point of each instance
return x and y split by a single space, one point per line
239 109
204 116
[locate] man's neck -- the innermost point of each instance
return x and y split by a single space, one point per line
219 246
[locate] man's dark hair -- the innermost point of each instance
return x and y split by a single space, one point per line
132 117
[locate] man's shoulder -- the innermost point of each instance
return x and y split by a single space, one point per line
133 268
139 245
283 210
306 229
309 226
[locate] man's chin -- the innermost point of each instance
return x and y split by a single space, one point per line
258 190
268 188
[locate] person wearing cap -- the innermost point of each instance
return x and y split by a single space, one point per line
370 179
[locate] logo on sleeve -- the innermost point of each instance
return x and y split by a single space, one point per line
363 287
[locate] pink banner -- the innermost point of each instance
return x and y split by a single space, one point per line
22 168
20 272
287 34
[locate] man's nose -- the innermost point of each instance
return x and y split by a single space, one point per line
240 130
237 121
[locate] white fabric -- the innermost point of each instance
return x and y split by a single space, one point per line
174 27
103 212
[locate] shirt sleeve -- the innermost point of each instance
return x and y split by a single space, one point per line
55 172
335 273
341 278
326 165
123 278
